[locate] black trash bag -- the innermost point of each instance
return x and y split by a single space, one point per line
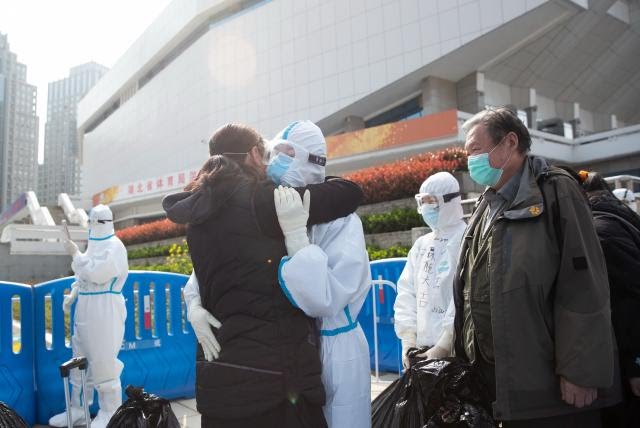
441 393
143 410
9 418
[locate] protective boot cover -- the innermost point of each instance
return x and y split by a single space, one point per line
109 398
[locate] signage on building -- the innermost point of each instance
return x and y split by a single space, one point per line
431 127
146 187
18 205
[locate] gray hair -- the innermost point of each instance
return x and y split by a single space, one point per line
499 121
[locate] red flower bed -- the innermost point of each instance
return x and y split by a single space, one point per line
402 179
154 231
397 180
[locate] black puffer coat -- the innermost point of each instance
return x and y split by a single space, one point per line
618 229
269 350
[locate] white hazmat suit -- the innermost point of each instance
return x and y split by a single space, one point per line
424 310
328 277
99 319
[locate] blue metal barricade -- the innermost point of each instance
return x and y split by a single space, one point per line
50 344
385 350
16 349
158 350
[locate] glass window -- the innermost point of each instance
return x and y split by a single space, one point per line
405 111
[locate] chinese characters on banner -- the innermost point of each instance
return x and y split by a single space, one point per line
174 181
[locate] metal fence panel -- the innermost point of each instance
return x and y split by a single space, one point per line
16 349
380 334
158 350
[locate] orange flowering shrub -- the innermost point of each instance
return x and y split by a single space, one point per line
402 179
154 231
396 180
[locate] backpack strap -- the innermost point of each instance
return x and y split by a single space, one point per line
634 230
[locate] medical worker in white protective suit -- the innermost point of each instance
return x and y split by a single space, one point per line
326 274
100 313
424 310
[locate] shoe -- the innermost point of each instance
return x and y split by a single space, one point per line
109 399
60 420
102 419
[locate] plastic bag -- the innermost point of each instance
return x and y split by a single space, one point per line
9 418
143 410
442 393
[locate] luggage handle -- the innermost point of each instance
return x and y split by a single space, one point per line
82 364
76 362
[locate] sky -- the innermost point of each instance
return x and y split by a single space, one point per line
52 36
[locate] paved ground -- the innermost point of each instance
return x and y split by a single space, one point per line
189 417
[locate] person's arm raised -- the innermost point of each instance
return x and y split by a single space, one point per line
335 198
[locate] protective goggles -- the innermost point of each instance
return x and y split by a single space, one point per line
434 200
100 221
274 147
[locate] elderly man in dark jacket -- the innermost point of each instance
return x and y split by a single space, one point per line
531 291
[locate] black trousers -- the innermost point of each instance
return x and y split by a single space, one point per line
587 419
287 415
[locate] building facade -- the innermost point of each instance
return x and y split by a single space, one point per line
18 128
60 171
367 72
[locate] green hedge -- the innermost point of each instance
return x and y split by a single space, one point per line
392 221
396 220
144 252
376 253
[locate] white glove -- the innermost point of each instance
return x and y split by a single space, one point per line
436 352
406 345
293 214
443 346
202 321
70 298
70 247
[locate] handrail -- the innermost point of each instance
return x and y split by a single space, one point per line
623 177
380 283
601 136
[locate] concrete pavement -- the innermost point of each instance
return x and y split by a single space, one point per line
188 416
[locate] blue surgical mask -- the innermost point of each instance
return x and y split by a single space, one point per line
278 166
481 170
430 214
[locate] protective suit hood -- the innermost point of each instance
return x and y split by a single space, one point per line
306 139
100 223
442 185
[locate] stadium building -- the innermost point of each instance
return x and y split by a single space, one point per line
385 79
